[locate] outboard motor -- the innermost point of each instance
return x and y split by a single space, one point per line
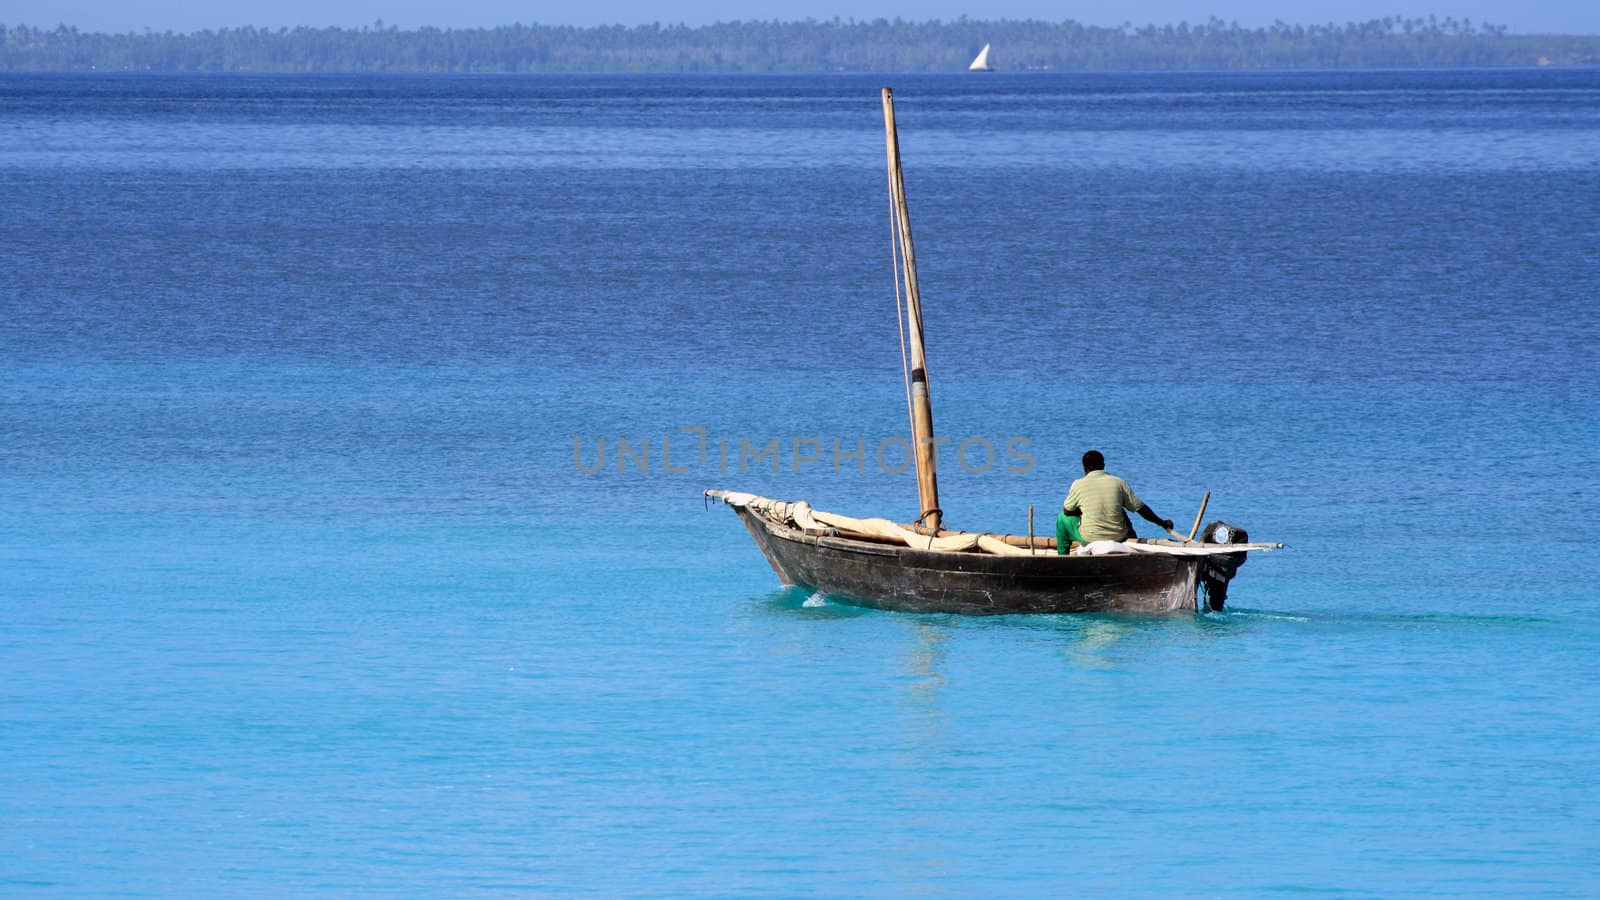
1217 571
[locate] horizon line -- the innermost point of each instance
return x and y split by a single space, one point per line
1481 28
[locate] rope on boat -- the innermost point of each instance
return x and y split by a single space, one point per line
899 305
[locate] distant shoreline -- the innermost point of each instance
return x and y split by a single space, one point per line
833 46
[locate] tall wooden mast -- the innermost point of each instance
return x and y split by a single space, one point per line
921 403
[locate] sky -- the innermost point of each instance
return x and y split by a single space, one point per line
1561 16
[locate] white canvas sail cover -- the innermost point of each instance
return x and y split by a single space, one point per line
799 514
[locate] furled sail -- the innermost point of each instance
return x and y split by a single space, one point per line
800 514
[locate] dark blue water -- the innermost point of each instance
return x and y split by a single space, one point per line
304 588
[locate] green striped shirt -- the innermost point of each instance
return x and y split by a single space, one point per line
1102 497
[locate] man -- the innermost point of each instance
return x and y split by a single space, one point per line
1095 504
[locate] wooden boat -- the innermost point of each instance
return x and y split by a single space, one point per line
923 567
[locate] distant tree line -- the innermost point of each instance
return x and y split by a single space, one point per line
810 46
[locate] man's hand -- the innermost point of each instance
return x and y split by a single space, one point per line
1167 524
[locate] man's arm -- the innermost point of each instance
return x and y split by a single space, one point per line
1149 515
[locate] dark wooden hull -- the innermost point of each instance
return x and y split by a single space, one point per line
885 576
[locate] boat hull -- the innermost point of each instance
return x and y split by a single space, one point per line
905 579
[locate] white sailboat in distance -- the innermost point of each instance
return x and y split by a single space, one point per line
981 63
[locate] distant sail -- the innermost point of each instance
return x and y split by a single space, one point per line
981 64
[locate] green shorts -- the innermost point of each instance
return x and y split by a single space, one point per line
1066 532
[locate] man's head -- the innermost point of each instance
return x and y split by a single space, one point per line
1093 462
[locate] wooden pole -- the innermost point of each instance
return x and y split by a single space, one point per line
1030 529
1199 515
921 402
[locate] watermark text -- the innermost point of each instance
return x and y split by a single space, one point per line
694 448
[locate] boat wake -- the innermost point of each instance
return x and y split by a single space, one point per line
1403 620
809 603
1234 613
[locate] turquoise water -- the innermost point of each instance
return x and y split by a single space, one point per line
305 589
